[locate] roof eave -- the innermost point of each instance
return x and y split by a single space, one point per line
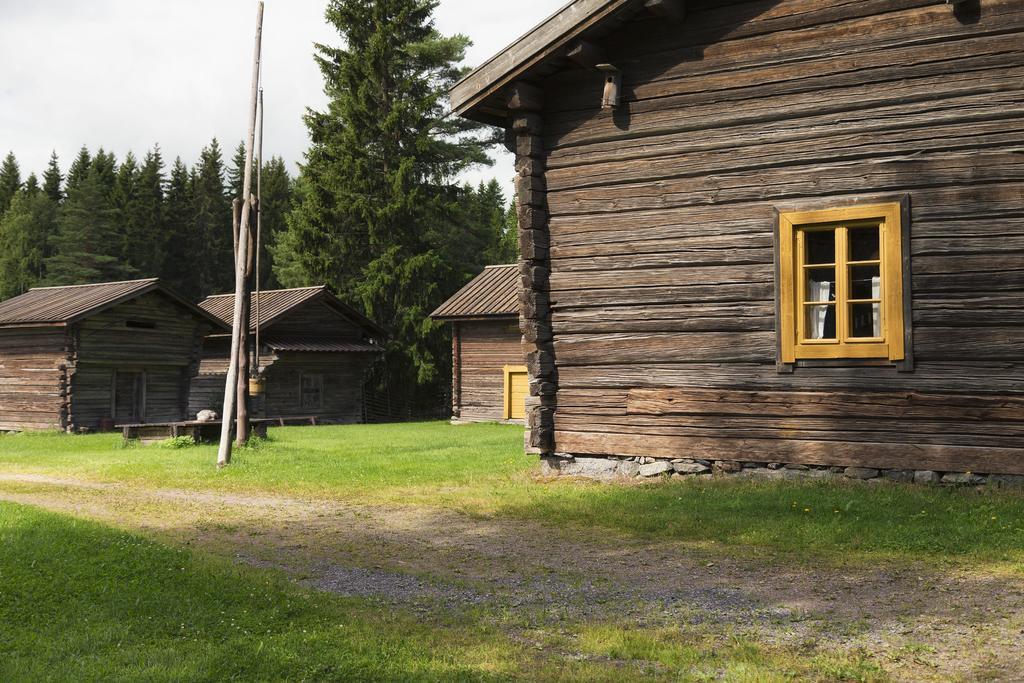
548 39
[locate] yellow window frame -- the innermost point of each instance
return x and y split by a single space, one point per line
508 371
793 226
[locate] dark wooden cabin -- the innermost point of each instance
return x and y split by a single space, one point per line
785 231
488 371
88 356
314 351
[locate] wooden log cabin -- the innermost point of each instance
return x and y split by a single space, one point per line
488 370
314 351
85 357
776 231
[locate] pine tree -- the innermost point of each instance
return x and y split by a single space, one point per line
87 247
10 181
211 211
26 231
181 253
52 180
376 198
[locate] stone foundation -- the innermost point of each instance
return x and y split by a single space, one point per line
653 469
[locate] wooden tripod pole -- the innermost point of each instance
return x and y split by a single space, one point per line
224 452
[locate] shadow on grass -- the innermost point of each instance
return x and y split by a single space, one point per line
79 601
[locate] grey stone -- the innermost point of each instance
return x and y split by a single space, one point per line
689 467
655 468
860 473
825 473
727 466
903 476
794 466
1006 481
751 465
593 468
926 477
962 478
628 468
702 462
763 473
775 465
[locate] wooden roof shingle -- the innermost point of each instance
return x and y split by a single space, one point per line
274 303
492 293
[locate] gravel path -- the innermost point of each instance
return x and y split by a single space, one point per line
963 624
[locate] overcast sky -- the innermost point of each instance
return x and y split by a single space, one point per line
125 74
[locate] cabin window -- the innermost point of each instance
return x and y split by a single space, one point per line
312 391
841 283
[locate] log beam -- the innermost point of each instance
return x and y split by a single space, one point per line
673 10
534 271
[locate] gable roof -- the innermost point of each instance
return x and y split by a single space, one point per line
480 95
492 293
274 303
69 304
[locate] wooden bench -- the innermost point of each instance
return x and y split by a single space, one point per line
202 432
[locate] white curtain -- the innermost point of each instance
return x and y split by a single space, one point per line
819 292
876 309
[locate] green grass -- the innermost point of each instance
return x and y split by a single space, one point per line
80 601
480 469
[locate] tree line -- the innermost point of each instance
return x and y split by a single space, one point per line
377 211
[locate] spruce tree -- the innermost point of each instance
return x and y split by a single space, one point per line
181 252
10 181
236 173
143 217
26 231
276 203
79 169
87 247
52 180
376 198
211 213
122 198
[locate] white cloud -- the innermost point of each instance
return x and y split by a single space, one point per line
125 74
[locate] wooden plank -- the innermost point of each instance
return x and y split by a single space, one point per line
889 405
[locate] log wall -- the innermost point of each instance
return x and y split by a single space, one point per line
343 375
33 378
485 348
661 219
150 334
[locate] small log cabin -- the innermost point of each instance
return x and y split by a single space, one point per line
488 369
778 231
314 351
85 357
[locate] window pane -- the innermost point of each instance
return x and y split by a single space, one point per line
821 284
864 244
865 320
865 282
821 246
821 322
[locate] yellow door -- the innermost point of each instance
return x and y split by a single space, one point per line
516 390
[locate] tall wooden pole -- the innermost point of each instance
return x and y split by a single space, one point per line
224 452
242 386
